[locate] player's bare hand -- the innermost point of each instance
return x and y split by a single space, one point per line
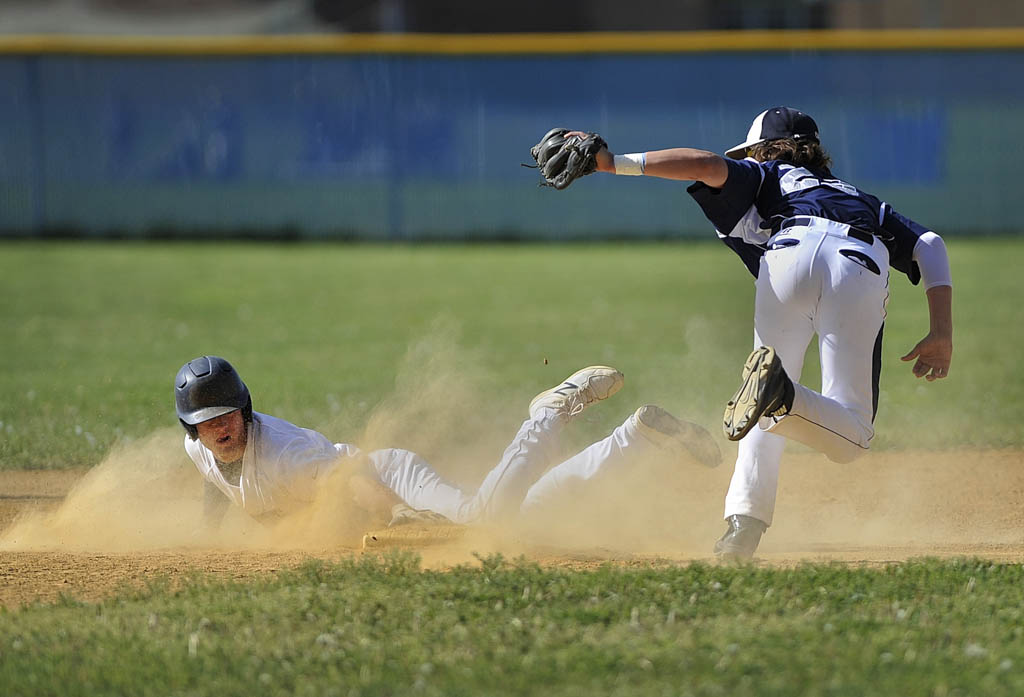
605 160
934 354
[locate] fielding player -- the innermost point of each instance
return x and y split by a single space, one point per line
269 466
820 250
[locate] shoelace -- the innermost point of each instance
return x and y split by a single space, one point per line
578 406
575 403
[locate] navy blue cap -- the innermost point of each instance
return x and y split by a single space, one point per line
772 124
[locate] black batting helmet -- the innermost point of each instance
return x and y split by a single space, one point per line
206 388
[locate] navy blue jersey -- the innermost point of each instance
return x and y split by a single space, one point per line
758 196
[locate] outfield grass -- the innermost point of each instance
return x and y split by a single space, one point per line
327 335
371 627
93 334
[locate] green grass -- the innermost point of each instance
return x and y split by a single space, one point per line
329 335
94 333
384 627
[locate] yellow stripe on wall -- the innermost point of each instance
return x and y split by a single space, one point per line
537 44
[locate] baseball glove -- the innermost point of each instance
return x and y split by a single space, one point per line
403 514
562 160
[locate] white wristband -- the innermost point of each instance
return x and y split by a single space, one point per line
631 165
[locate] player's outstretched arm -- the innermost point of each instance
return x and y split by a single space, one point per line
682 164
935 352
564 155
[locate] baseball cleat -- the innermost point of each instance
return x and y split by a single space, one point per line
766 391
668 431
740 541
579 391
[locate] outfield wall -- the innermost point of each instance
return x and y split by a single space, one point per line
413 137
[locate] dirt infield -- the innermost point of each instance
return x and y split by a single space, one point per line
88 534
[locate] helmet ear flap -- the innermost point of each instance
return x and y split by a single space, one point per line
247 411
192 431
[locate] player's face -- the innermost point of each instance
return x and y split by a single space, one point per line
224 435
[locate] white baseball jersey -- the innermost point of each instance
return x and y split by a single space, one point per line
280 466
283 462
820 250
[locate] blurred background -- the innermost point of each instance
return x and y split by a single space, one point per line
404 120
398 121
277 16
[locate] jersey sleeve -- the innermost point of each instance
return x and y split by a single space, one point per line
933 260
302 462
733 213
726 207
901 235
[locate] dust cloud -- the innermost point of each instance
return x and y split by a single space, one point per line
945 502
146 494
142 496
445 405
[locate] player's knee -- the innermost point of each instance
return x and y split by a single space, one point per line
846 453
846 450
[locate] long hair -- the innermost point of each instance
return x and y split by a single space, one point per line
805 152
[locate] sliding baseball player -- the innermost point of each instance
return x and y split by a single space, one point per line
267 466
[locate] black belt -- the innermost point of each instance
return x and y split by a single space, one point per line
806 221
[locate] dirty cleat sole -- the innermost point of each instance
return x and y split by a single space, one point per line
762 391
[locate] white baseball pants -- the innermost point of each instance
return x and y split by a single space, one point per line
518 484
815 279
